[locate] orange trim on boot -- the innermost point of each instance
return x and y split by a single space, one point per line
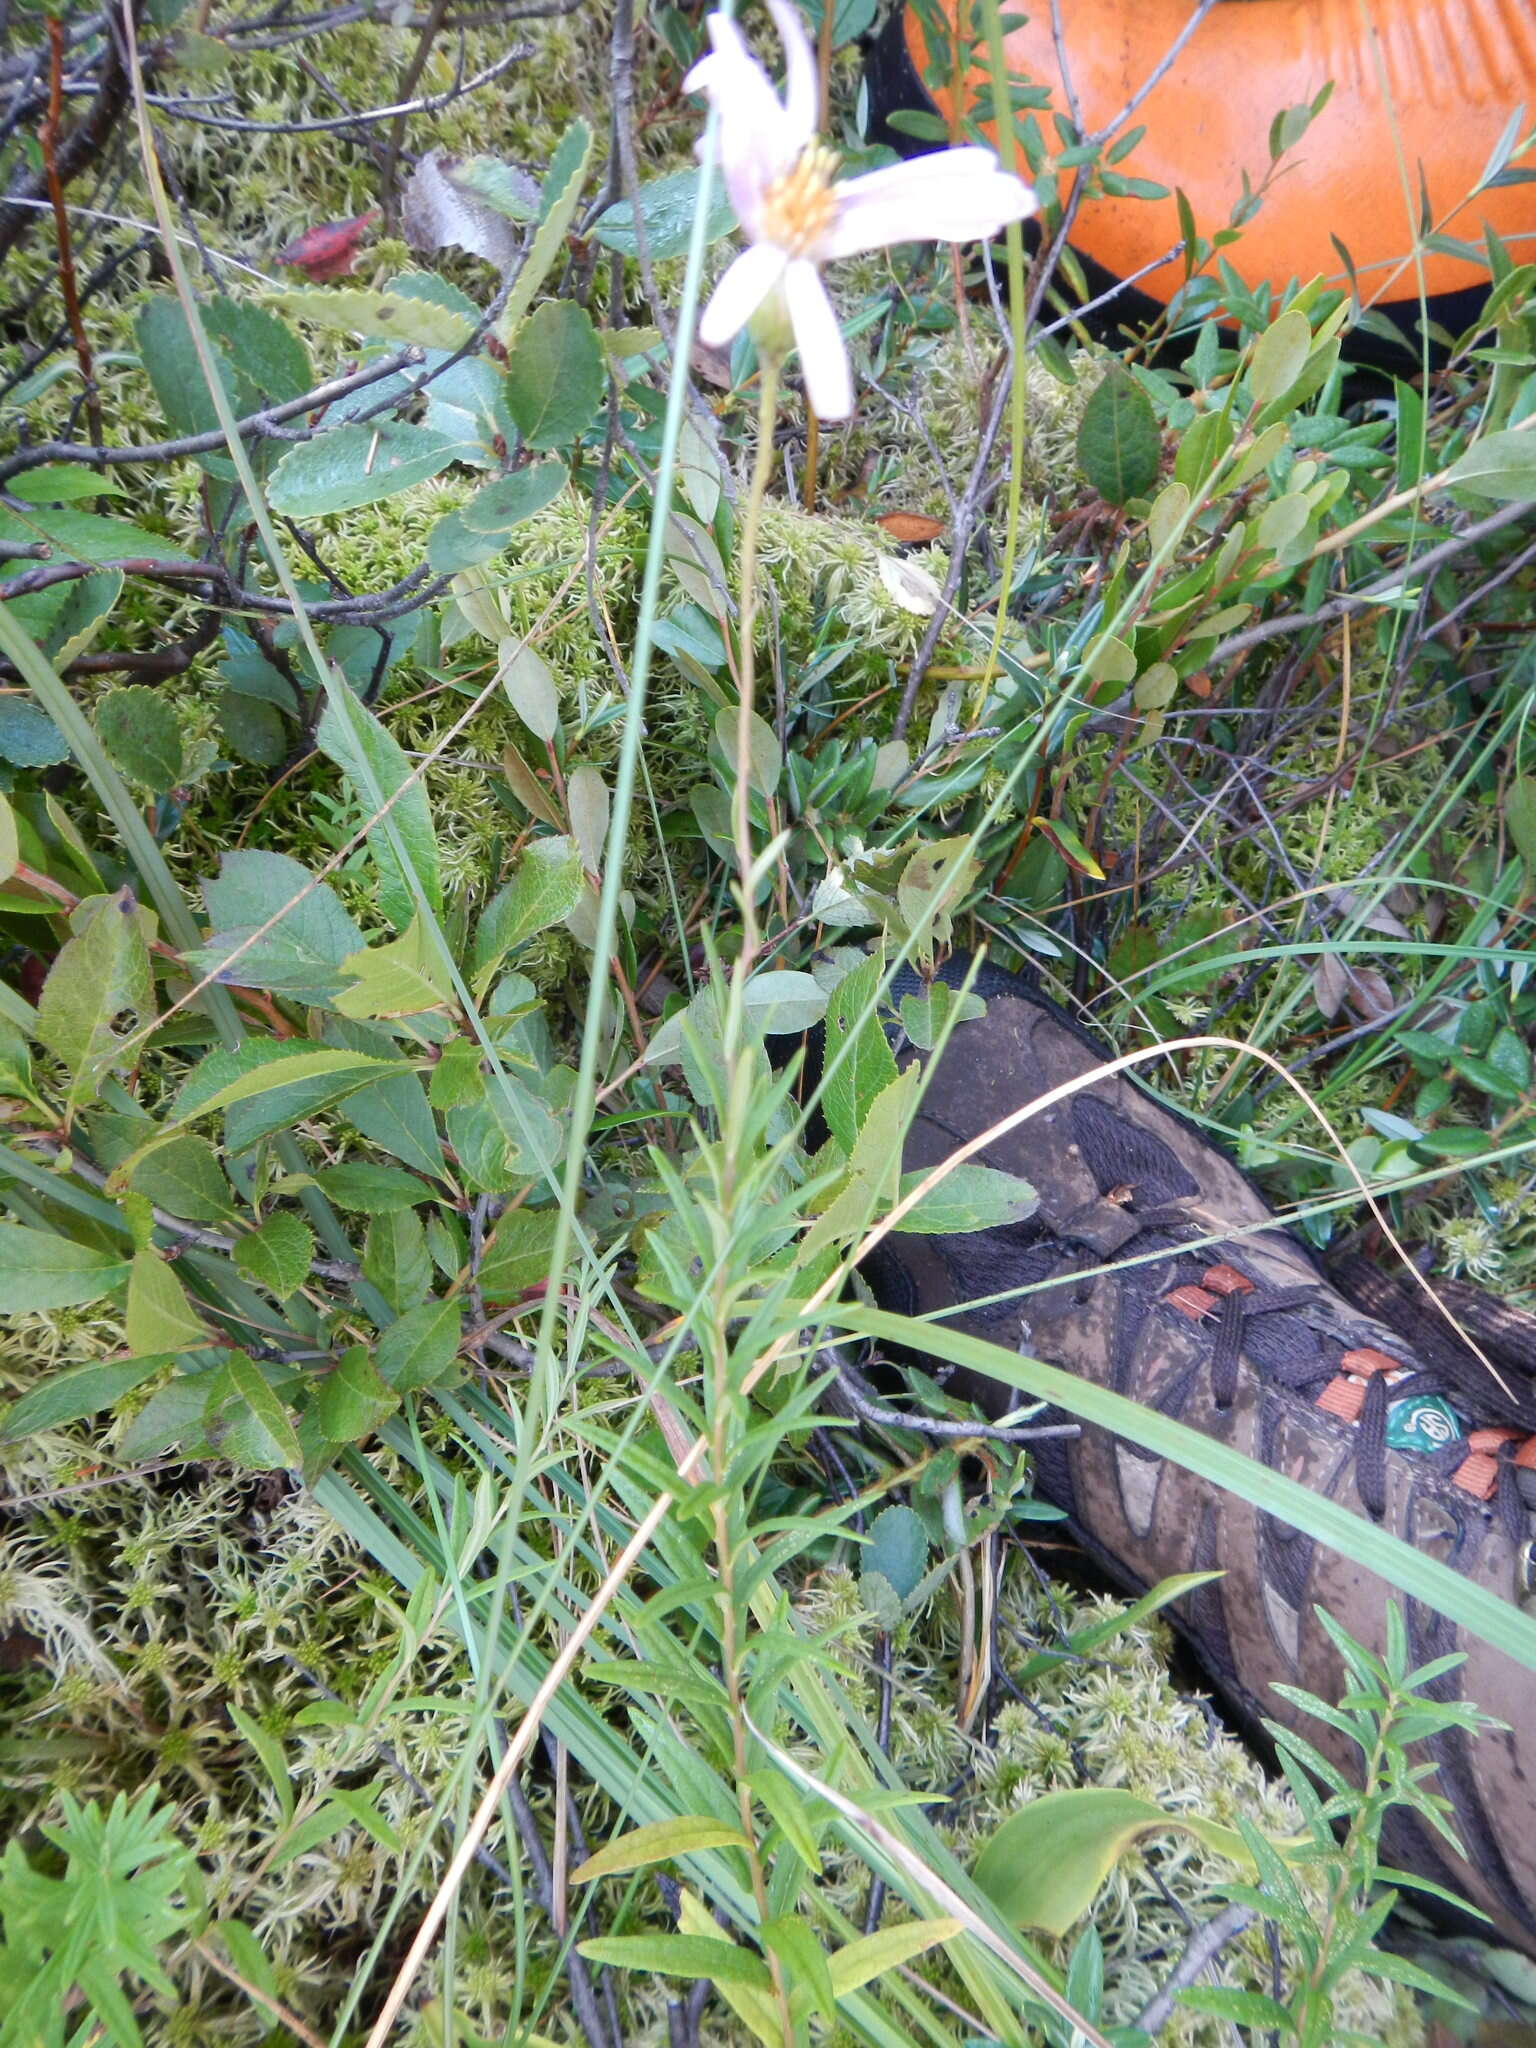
1445 75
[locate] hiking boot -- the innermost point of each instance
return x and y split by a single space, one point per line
1244 1339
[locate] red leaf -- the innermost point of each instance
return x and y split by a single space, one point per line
330 249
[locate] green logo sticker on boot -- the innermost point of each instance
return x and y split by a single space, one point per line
1425 1424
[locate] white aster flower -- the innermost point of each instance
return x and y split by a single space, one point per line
796 215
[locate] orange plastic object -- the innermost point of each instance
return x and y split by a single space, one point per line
1225 1280
1368 1360
1491 1439
1191 1301
1343 1398
1477 1475
1447 73
1525 1457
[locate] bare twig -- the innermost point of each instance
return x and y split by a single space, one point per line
1203 1948
856 1391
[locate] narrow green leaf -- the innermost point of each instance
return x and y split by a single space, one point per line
660 1842
680 1955
860 1962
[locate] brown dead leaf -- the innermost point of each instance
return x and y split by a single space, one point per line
1370 993
912 529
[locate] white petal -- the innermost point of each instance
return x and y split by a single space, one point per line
802 77
823 356
953 195
758 139
740 292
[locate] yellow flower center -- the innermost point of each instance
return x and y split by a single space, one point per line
800 207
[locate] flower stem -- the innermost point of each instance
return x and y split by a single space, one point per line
751 521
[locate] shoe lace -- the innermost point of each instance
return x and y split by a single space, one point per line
1488 1434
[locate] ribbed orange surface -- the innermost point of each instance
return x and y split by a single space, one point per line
1417 83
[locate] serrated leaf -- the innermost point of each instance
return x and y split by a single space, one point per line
253 731
28 736
561 197
517 1254
270 360
142 734
353 1400
41 1270
504 187
382 315
394 1115
300 955
359 1184
556 375
356 464
184 1177
276 1255
160 1318
75 536
858 1063
395 1258
420 1347
85 610
930 887
969 1197
176 371
1119 449
101 980
543 889
286 1080
661 1841
400 979
244 1421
